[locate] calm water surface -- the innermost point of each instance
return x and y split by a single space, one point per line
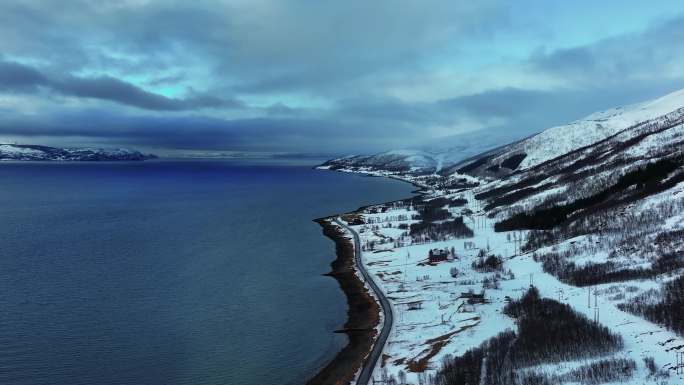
170 272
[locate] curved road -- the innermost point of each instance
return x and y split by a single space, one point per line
369 365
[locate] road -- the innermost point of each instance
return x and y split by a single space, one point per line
369 365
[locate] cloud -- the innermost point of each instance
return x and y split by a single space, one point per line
185 132
652 54
18 77
252 46
314 76
115 90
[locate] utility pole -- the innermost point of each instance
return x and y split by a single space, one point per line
515 244
596 307
405 268
596 297
560 294
596 315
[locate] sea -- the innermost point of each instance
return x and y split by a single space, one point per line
171 272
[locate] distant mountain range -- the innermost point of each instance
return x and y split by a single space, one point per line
46 153
431 156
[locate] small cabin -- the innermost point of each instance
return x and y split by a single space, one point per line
438 255
474 298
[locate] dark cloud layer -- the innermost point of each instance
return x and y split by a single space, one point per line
17 77
622 59
324 76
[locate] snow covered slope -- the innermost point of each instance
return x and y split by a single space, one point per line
559 140
556 141
589 216
36 152
483 153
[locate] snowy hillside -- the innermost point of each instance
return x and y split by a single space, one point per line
559 140
487 154
556 141
42 153
558 259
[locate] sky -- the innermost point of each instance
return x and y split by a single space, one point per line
320 76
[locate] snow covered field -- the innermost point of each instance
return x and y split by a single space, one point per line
433 319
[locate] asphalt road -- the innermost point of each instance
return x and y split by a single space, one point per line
372 360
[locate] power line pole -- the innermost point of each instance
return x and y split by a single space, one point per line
405 268
596 315
596 307
596 297
560 294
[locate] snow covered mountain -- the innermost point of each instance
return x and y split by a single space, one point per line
43 153
557 141
563 256
428 157
480 153
393 161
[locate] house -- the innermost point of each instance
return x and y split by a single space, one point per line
415 305
477 298
438 255
474 298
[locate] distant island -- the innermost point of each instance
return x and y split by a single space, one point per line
32 152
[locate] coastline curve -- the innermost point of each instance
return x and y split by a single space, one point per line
372 359
363 312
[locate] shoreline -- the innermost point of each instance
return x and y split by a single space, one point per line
363 313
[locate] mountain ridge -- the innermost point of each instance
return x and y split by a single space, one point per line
32 152
535 149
